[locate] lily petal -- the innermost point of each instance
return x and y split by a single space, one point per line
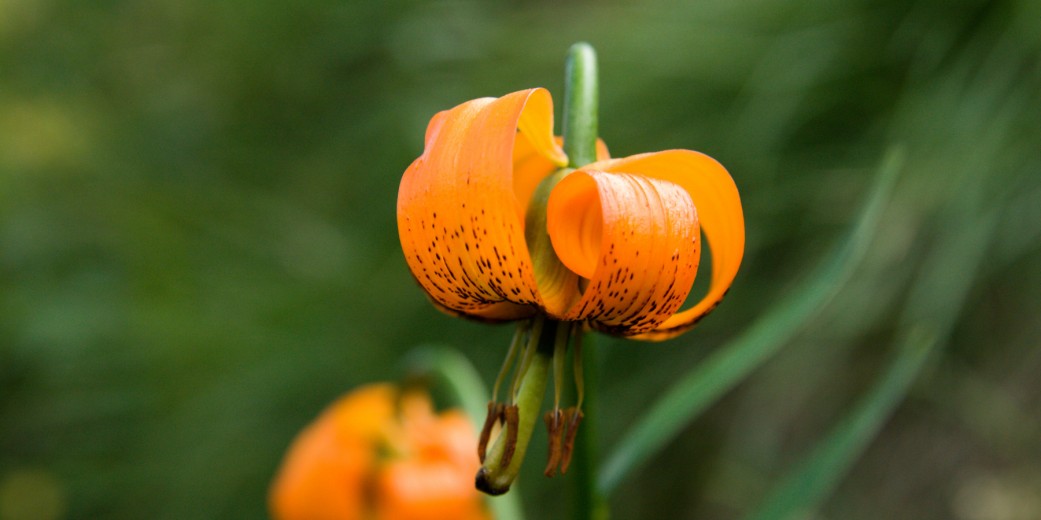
636 240
460 221
719 209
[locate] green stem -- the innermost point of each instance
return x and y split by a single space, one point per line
590 503
581 103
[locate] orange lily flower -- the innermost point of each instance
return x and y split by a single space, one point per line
628 231
382 454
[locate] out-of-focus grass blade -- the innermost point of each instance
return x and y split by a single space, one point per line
815 478
455 372
933 305
731 364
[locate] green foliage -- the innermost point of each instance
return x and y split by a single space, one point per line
198 246
801 492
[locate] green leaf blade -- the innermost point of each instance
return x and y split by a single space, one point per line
818 475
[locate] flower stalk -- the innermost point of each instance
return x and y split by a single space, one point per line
581 129
581 105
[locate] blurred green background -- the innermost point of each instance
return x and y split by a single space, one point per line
198 246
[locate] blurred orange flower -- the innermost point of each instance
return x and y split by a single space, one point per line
380 453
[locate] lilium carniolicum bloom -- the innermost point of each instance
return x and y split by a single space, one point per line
626 229
496 226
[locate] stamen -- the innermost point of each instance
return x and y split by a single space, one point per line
576 363
512 414
555 426
495 416
530 348
559 359
506 454
496 410
519 337
555 418
574 417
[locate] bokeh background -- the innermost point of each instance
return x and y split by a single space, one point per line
198 246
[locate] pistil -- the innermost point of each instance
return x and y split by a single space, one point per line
503 461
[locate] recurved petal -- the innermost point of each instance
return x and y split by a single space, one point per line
634 238
459 218
719 210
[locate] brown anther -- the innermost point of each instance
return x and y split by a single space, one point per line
512 416
574 417
555 426
495 416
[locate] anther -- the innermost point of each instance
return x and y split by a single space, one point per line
512 415
574 417
495 416
555 426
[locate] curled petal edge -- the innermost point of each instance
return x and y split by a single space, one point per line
634 238
718 204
